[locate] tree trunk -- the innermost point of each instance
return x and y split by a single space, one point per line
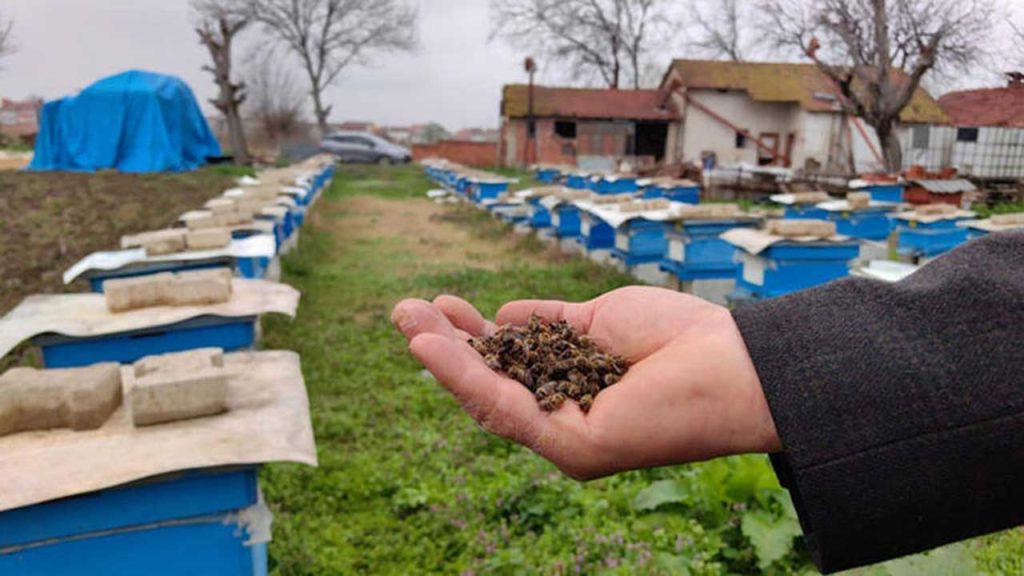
237 135
321 112
892 153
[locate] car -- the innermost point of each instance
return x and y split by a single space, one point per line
364 148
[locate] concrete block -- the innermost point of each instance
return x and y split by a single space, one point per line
155 236
797 228
197 288
178 395
202 221
858 200
169 245
220 205
124 294
188 361
76 398
208 239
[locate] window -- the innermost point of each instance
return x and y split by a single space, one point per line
921 136
966 134
565 129
741 140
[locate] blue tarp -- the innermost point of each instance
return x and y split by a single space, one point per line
135 121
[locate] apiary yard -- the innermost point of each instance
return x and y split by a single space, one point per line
408 484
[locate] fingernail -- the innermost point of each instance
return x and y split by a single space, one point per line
404 320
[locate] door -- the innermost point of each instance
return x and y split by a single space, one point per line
769 149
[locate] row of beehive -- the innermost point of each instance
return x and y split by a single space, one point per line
179 492
615 213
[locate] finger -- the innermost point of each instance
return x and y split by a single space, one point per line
578 316
464 315
502 406
414 317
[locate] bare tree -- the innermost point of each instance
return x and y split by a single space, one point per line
219 21
275 98
7 46
600 38
877 51
330 35
719 29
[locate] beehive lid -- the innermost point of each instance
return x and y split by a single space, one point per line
86 315
257 246
267 421
756 241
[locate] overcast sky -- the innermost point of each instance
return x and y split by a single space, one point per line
454 78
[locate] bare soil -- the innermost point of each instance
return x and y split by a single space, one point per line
48 221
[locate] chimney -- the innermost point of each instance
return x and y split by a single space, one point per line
1015 79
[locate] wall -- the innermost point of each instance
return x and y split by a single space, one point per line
701 133
612 139
998 153
481 154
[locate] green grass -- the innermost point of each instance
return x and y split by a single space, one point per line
1000 208
409 485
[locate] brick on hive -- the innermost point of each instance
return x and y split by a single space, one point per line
220 205
76 398
208 238
179 386
798 228
195 288
858 200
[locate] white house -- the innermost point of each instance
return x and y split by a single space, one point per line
988 139
783 114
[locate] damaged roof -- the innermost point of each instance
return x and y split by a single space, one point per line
802 84
986 107
584 103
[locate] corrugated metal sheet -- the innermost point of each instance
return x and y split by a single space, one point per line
945 186
803 84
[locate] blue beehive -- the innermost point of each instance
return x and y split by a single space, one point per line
694 250
789 266
805 212
869 223
595 233
929 238
679 192
230 334
639 241
185 523
614 184
577 181
565 218
487 189
885 192
547 175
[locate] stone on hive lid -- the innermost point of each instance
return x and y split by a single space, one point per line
182 394
198 288
858 200
800 228
208 238
76 398
196 359
123 294
935 209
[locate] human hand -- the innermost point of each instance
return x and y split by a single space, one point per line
691 393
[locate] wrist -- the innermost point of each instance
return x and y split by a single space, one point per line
758 433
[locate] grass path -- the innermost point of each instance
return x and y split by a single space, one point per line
407 484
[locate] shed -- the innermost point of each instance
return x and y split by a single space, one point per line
135 121
989 140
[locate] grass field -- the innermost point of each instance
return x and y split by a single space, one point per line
408 485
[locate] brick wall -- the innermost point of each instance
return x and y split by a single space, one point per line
482 154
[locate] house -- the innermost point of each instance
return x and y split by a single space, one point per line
19 120
989 140
784 114
593 128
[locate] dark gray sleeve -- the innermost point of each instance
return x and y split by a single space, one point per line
900 406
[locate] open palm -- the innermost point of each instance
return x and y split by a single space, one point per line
691 394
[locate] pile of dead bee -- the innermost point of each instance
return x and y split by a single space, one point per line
552 360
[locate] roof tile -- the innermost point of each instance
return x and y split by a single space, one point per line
589 103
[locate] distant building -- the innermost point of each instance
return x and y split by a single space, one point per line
354 126
989 140
477 135
584 126
398 134
19 120
784 114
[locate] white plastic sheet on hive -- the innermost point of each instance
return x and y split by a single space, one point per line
676 251
622 241
753 269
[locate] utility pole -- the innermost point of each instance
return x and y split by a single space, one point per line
531 124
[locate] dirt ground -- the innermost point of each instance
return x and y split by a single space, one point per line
48 221
429 231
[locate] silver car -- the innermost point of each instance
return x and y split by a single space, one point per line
364 148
